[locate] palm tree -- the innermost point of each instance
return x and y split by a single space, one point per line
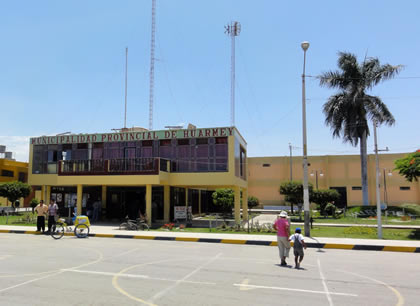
348 111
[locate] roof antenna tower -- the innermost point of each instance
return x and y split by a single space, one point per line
152 65
233 29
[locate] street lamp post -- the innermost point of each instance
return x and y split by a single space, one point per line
385 190
321 174
305 46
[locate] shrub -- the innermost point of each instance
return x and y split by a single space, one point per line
253 202
323 197
224 198
360 230
413 209
330 209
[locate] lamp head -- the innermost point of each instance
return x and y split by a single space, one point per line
304 45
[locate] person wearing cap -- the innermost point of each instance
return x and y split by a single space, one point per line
41 210
298 246
282 226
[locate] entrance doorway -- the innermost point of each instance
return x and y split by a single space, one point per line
125 201
342 201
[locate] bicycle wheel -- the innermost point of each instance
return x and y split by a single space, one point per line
81 231
57 231
124 226
144 226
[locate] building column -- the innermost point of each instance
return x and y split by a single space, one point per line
103 198
43 191
79 198
244 204
186 196
166 203
48 198
237 205
199 202
149 203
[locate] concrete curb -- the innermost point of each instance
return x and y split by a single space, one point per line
360 247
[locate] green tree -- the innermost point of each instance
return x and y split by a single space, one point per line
348 111
253 202
293 192
322 197
409 166
14 191
224 198
34 202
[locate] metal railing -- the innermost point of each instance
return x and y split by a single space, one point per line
109 166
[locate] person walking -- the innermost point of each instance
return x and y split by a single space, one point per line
41 210
52 214
298 246
96 210
282 226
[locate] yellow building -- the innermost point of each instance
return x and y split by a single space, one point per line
140 170
341 172
11 170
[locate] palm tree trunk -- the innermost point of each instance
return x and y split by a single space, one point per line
363 159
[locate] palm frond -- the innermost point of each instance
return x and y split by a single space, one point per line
332 79
378 111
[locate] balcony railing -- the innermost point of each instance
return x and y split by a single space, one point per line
133 166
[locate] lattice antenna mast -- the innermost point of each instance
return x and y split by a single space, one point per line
152 65
233 29
126 75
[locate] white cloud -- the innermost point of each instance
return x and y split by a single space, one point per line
19 145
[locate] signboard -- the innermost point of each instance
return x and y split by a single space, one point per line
180 212
134 136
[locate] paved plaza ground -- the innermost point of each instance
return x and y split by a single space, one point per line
37 270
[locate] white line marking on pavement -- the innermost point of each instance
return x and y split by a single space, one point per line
106 273
292 289
163 292
325 284
244 285
400 298
28 282
133 276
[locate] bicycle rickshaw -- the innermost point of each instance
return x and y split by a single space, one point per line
81 227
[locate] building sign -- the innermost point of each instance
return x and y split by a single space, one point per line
180 212
134 136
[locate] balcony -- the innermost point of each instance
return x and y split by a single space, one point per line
134 166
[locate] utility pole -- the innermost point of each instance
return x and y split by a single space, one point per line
291 163
378 194
233 29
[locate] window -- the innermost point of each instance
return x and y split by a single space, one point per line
183 142
221 140
202 141
7 173
356 188
266 165
404 188
147 143
165 142
22 177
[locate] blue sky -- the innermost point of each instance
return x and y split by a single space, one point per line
62 67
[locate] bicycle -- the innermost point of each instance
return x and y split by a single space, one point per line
134 225
81 229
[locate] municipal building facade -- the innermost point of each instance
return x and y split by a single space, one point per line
138 170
